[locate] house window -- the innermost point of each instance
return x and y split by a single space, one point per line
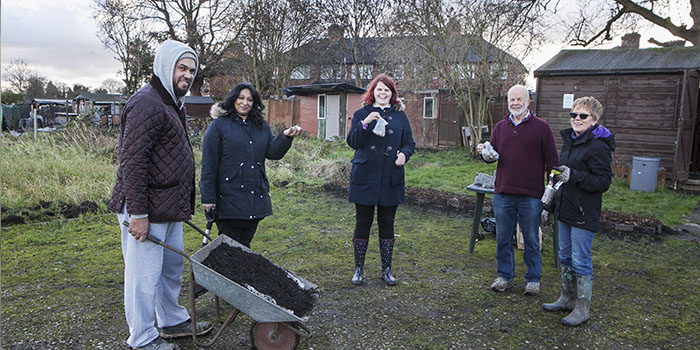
365 72
397 73
321 106
498 73
465 71
276 73
302 72
331 73
428 108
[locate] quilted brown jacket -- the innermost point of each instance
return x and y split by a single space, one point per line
156 164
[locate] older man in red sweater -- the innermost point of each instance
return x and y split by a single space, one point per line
524 147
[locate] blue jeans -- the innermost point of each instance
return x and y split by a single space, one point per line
507 208
575 248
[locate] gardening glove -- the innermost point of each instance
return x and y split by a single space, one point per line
564 173
544 216
488 153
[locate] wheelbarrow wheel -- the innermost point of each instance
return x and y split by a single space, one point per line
273 336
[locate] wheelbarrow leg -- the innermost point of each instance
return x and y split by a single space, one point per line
231 317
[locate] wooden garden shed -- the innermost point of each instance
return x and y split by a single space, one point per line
649 96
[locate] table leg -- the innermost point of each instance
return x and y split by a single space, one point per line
477 219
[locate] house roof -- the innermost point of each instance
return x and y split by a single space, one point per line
103 98
325 51
198 100
621 61
322 88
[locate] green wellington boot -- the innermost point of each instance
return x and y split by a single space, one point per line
567 297
581 313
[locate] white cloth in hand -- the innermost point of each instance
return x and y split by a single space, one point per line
488 153
380 127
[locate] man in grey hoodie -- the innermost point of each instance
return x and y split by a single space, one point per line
154 193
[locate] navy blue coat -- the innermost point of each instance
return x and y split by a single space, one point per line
233 167
375 179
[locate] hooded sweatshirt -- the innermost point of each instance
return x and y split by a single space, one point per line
164 65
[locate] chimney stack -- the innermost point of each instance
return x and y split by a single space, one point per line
630 41
335 32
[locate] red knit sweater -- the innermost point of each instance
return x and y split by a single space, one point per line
526 152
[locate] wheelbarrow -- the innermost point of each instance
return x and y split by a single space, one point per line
275 328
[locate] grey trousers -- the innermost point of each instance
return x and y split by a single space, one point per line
152 281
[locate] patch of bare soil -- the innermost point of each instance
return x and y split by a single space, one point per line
46 210
254 270
425 198
614 224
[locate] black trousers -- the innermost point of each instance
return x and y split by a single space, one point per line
364 215
242 231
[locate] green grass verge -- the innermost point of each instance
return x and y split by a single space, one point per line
80 164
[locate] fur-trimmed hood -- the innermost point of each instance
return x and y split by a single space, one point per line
217 111
399 107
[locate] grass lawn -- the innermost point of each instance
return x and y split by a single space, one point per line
62 286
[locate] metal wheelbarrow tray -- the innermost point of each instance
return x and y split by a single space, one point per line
274 324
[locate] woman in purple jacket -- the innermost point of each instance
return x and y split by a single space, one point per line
377 176
585 160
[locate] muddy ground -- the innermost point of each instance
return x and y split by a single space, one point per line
62 284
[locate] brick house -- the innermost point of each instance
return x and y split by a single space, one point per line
323 86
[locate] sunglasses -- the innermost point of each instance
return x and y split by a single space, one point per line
583 116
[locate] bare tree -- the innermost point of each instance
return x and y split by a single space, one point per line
466 47
127 37
18 74
274 30
591 28
210 27
112 86
358 19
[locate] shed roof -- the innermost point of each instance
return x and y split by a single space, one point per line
103 98
198 100
322 88
48 101
621 61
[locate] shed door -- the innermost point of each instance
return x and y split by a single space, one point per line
332 116
686 126
448 130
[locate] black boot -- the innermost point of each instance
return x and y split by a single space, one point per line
360 246
386 247
567 297
582 311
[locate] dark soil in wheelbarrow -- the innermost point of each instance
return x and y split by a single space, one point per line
256 271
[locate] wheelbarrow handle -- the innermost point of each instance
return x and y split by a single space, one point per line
161 243
199 230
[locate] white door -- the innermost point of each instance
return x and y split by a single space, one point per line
332 116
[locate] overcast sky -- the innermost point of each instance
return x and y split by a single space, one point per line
58 39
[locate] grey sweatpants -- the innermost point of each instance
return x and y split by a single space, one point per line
152 281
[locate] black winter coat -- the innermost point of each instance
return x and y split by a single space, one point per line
233 167
579 201
375 179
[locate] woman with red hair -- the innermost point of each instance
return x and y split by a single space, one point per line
381 136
